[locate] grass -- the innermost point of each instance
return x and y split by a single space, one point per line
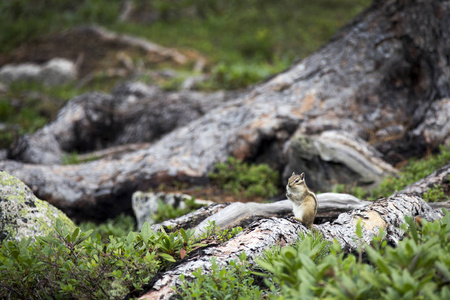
24 20
270 34
246 42
251 30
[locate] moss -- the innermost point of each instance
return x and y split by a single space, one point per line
23 214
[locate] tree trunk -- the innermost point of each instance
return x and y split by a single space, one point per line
370 91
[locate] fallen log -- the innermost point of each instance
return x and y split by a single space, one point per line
263 230
386 214
99 123
242 214
376 82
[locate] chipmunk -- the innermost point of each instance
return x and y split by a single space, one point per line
305 201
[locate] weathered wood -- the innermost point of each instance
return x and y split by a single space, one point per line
330 204
134 113
387 214
440 205
241 214
384 214
439 177
378 81
192 219
347 159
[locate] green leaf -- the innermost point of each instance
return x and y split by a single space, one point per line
131 238
412 228
443 269
167 257
146 231
75 234
359 229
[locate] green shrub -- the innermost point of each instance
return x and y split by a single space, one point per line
213 232
240 178
416 269
435 194
233 282
75 265
415 170
292 265
239 75
120 226
313 268
82 265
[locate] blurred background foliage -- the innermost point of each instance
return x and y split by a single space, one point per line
251 32
243 43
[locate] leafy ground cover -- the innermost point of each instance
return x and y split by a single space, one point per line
81 265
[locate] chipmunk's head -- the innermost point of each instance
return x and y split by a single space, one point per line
296 182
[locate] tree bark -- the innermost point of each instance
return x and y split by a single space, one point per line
263 230
376 82
386 214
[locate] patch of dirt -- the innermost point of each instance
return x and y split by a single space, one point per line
95 49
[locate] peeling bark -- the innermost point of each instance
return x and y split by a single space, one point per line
242 214
439 177
263 230
387 214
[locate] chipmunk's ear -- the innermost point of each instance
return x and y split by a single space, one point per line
293 173
302 176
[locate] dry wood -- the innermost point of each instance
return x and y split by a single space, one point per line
240 214
383 81
265 231
387 214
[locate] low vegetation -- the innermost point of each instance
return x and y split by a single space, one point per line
81 265
246 180
115 261
167 211
118 227
312 268
414 170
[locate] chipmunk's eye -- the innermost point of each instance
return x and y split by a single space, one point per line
297 180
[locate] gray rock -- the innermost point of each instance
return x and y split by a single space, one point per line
21 72
145 205
55 72
24 215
